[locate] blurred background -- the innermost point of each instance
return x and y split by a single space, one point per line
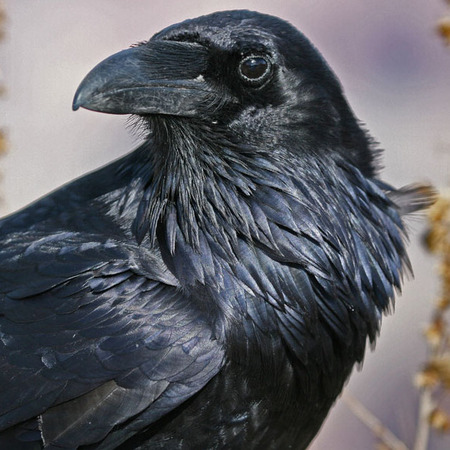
396 74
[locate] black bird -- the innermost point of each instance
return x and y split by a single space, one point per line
214 288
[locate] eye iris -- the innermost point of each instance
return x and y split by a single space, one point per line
254 67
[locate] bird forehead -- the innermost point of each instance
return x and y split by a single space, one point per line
228 30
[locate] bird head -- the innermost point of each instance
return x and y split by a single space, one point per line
243 75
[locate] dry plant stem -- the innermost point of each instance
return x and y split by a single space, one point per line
374 424
423 422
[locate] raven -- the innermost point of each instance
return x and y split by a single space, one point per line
214 288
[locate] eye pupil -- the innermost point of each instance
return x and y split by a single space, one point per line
254 68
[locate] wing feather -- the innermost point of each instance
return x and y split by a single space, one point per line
90 336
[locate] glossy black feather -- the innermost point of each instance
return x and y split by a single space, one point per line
214 288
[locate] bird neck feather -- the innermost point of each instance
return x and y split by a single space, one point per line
198 181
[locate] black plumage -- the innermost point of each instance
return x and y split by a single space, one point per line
214 288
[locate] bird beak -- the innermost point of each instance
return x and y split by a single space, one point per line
159 77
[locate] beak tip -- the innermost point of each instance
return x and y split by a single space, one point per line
76 103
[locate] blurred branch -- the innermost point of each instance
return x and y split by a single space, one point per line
434 378
386 437
423 423
443 26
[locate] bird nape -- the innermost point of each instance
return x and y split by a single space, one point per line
214 288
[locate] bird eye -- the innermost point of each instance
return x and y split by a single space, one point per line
254 69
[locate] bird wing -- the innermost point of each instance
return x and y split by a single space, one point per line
93 331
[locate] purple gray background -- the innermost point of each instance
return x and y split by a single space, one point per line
395 72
